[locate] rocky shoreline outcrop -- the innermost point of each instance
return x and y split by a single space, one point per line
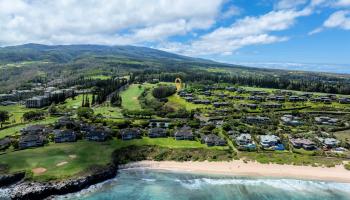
25 190
9 179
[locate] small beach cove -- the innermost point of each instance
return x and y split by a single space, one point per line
250 169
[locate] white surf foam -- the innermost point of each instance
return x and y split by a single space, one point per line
283 184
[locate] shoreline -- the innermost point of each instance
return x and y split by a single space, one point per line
249 169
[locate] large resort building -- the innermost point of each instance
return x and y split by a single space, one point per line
38 102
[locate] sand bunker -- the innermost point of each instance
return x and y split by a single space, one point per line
134 98
39 170
72 156
62 163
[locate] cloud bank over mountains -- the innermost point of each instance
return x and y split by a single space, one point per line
189 27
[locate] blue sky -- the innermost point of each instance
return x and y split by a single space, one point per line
287 34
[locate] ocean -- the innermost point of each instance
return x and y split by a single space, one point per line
137 184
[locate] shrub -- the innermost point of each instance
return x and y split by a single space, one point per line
33 115
163 91
85 112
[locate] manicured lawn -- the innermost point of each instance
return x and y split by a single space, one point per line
16 112
343 135
108 111
177 102
76 102
101 77
79 156
130 97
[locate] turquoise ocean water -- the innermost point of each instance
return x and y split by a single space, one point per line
156 185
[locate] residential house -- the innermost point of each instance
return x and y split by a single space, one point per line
344 100
189 99
303 143
237 97
262 93
66 122
250 106
324 120
267 141
257 120
184 133
213 140
296 99
206 102
8 103
220 104
231 89
157 133
222 95
245 142
130 133
7 97
323 99
98 134
207 93
5 143
276 98
31 140
65 136
34 130
291 120
272 106
256 98
329 142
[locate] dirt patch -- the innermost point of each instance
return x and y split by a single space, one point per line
73 156
39 170
61 163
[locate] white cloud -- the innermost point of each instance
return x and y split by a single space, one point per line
289 4
231 11
244 32
343 3
339 19
102 21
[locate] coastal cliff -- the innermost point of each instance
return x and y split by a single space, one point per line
38 190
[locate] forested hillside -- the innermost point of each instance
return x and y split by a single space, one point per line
40 63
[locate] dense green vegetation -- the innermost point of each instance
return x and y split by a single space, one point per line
41 63
163 91
291 158
138 153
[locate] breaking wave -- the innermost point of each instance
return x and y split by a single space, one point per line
282 184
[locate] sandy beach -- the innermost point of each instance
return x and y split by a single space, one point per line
254 169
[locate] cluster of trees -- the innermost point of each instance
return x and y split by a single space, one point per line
116 100
33 115
163 91
86 101
85 112
4 116
308 82
105 88
138 113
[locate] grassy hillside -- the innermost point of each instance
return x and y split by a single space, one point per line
66 160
